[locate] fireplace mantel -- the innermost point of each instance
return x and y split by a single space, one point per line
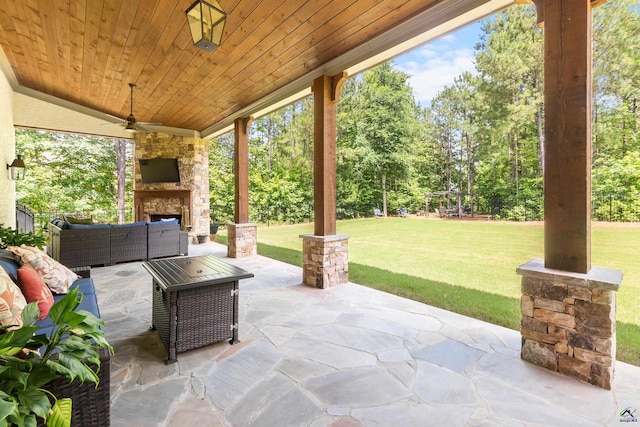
139 195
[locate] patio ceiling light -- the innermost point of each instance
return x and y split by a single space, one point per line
206 23
16 169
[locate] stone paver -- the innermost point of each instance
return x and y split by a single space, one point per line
357 387
347 356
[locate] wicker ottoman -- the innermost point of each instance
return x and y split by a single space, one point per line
195 302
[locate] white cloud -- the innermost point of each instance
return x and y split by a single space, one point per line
436 65
431 70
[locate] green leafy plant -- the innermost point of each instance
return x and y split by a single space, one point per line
70 350
11 237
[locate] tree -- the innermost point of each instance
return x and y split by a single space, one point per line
221 179
387 125
121 174
510 61
70 174
616 76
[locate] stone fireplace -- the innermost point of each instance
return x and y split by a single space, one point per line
188 198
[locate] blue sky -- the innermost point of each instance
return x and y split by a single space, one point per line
435 65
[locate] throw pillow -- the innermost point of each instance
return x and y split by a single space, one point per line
76 220
57 277
12 301
34 289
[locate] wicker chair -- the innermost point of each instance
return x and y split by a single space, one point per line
90 402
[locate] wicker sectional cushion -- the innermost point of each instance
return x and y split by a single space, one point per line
129 225
34 289
164 221
55 275
85 286
12 301
72 226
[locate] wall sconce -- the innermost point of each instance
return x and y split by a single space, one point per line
16 169
206 23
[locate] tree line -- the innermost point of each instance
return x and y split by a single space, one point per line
479 143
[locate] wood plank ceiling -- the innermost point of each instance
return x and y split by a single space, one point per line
87 51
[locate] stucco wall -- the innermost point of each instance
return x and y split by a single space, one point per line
7 154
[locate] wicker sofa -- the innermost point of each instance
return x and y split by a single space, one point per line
84 245
91 403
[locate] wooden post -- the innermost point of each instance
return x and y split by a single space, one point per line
241 163
326 93
567 97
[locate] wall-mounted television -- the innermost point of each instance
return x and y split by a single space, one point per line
159 170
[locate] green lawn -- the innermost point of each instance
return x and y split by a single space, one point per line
468 266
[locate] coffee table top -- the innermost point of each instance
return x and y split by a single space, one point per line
190 272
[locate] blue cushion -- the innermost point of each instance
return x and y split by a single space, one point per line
11 266
4 253
133 224
85 286
87 226
45 323
170 221
89 303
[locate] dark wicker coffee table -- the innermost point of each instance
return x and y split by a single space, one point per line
195 301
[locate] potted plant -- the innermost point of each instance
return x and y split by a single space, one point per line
213 229
11 237
70 350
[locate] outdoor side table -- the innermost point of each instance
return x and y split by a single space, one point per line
195 301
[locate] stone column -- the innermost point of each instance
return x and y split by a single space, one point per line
325 253
325 260
242 240
568 321
242 235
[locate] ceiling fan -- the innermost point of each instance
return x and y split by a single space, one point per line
133 126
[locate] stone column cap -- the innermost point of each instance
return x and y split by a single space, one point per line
596 278
244 224
330 238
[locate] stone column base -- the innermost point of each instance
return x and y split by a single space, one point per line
568 321
242 240
325 260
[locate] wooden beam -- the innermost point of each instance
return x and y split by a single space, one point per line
540 7
241 166
326 93
567 97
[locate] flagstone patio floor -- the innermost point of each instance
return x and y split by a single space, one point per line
348 356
